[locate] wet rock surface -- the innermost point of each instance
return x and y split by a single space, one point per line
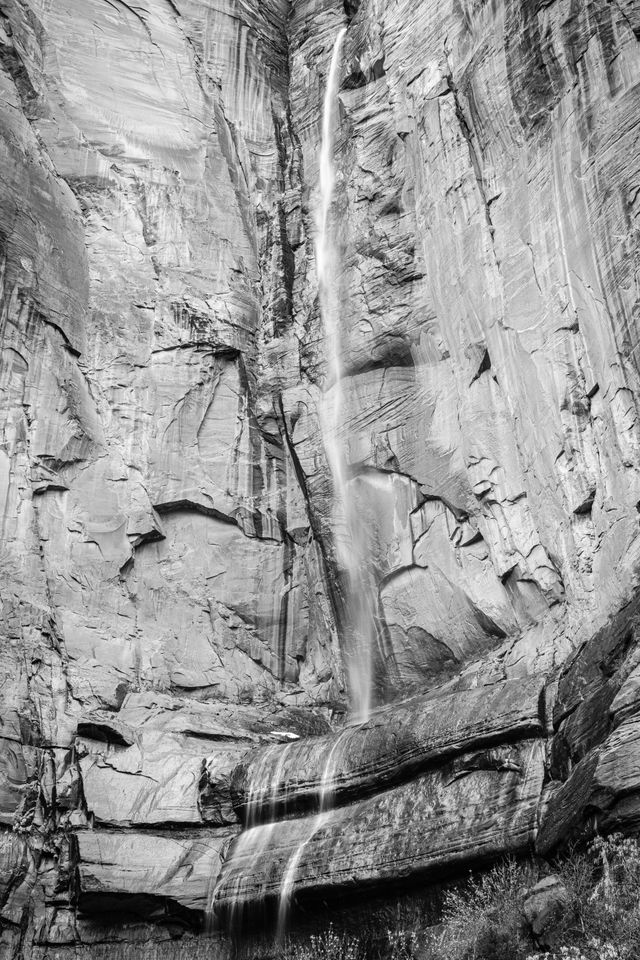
467 812
394 745
171 599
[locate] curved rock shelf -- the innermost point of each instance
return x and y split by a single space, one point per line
393 746
143 867
478 807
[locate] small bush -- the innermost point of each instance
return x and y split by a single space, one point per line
403 944
483 919
327 945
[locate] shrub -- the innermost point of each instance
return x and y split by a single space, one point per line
483 919
327 945
605 920
403 944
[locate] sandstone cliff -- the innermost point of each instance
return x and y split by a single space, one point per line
172 602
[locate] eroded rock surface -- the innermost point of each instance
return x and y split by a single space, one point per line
171 596
394 745
474 810
144 867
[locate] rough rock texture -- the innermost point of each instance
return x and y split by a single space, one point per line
488 154
170 592
157 558
394 745
594 755
483 806
144 865
545 908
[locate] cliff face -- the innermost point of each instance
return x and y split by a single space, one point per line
489 156
171 595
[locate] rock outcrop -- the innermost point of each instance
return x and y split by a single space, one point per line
172 608
127 870
394 745
464 813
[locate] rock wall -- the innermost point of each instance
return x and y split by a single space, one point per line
441 781
488 157
163 590
171 597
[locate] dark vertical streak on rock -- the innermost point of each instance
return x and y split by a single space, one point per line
476 161
283 300
237 173
283 617
334 588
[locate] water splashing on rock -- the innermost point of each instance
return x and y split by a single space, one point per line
253 842
325 798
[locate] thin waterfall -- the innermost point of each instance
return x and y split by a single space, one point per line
350 556
360 641
327 791
253 842
332 408
361 630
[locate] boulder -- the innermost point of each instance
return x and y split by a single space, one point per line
544 907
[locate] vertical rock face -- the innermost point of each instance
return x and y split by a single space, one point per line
144 267
158 560
488 157
170 593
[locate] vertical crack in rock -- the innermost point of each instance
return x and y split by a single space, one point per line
476 160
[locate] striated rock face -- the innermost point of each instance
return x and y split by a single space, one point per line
482 807
491 396
393 745
172 606
139 866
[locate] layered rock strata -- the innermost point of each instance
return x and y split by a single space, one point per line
394 745
475 810
171 598
580 776
140 869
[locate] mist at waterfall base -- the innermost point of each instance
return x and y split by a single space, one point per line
359 634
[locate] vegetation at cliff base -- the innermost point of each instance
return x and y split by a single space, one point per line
587 908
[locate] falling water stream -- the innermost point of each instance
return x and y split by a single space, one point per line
325 803
360 633
252 843
351 549
349 542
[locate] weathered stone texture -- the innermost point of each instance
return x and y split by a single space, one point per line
147 866
156 539
394 745
171 596
487 153
482 807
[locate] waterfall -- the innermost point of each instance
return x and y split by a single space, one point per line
327 791
349 544
253 842
360 634
361 601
